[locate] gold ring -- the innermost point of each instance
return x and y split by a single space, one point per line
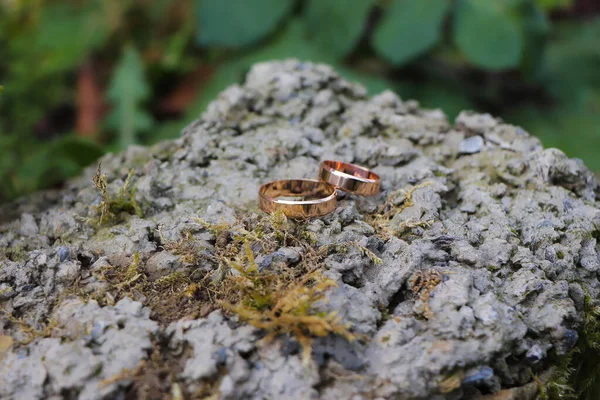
297 198
350 177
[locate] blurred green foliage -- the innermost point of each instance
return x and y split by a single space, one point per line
409 28
238 23
128 89
535 62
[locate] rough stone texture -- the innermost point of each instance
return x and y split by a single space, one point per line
509 226
97 344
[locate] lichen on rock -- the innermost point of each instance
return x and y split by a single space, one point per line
472 272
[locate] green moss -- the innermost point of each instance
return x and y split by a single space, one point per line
31 332
282 299
256 288
366 252
173 279
290 309
132 274
215 229
104 234
577 374
380 220
385 313
111 208
342 248
186 248
587 380
559 385
16 252
309 237
422 284
134 268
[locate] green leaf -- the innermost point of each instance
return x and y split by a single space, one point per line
336 25
66 34
536 29
128 89
238 23
176 48
487 34
550 5
409 28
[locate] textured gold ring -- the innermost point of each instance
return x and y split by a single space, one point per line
350 177
297 198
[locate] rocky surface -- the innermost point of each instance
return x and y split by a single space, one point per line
476 279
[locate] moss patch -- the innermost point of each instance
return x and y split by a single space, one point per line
16 252
422 284
279 298
577 374
186 248
32 333
394 204
294 312
282 304
111 208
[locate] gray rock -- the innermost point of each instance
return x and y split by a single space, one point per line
471 145
481 271
161 264
290 255
79 365
63 253
28 226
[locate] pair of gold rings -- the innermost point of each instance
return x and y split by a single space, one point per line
306 198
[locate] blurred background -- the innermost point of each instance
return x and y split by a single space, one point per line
83 77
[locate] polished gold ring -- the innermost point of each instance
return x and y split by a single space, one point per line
350 177
297 198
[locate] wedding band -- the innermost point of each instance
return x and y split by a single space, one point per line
297 198
350 177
